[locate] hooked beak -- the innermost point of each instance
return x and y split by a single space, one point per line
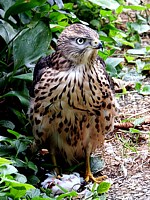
96 44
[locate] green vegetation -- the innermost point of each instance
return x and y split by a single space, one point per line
29 30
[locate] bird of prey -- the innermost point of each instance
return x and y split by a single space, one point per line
72 102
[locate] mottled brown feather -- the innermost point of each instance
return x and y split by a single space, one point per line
72 105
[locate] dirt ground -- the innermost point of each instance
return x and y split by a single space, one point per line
127 158
126 154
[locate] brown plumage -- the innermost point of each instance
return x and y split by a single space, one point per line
72 105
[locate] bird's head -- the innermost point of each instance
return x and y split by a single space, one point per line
79 43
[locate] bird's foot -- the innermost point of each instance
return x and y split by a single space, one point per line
95 179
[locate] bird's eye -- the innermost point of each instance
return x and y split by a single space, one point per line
80 40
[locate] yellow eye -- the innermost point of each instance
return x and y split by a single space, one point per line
80 40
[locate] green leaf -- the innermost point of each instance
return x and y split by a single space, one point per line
57 17
14 183
114 61
6 150
133 130
139 121
22 6
130 59
33 193
146 67
18 191
14 133
103 187
111 4
23 99
6 31
148 5
138 86
32 166
106 38
4 161
111 63
6 169
139 65
67 194
19 145
145 90
119 9
135 7
141 51
140 28
27 76
7 124
20 178
31 44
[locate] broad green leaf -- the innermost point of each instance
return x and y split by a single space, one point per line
6 150
130 59
31 44
111 63
27 76
103 187
20 178
106 38
33 193
141 51
145 90
14 133
146 67
147 5
121 41
6 169
6 31
22 6
34 180
139 65
14 183
111 4
4 161
133 130
119 9
147 48
32 166
3 195
24 100
139 121
56 16
138 86
67 194
18 191
68 6
19 145
7 124
140 28
135 7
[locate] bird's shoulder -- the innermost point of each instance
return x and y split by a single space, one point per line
53 62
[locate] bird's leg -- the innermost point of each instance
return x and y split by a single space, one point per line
53 157
88 174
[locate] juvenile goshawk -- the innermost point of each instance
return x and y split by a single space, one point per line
72 104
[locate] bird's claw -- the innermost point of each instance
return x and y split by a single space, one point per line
95 179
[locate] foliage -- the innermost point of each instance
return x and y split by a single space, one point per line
28 31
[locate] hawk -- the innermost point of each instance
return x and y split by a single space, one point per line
72 103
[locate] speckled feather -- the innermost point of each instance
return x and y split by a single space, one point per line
72 105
